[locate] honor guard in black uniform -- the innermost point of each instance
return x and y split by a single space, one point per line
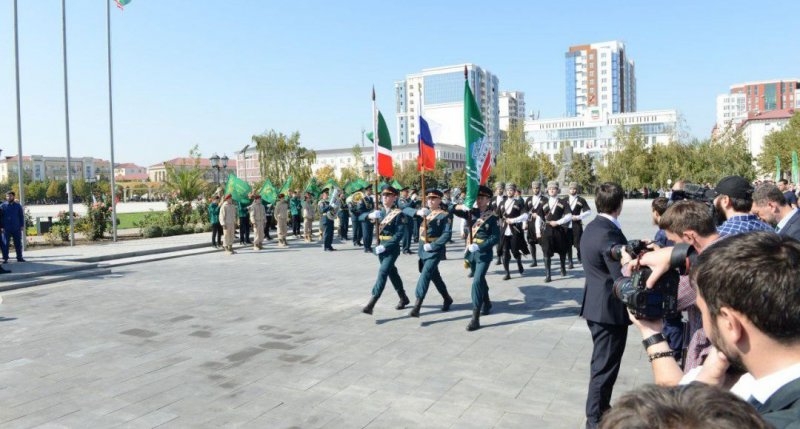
580 210
512 215
403 203
352 207
365 207
552 218
431 248
485 234
344 217
392 225
532 205
496 205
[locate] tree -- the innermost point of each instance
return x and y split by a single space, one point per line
543 167
358 159
81 189
630 162
281 156
186 182
324 174
781 144
582 171
406 173
36 191
514 162
349 174
458 179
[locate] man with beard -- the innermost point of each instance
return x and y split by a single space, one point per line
512 216
771 206
580 210
733 199
532 205
496 205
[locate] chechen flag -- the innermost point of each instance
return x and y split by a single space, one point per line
427 154
383 149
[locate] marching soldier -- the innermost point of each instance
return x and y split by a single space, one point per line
365 207
327 213
533 204
391 229
344 217
352 206
485 234
496 204
580 210
227 218
403 203
282 216
513 214
309 212
258 218
431 248
552 217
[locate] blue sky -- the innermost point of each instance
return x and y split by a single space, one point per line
214 73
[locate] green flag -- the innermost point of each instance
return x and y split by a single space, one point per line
795 168
330 184
238 189
397 185
122 3
268 192
777 168
312 187
478 149
285 188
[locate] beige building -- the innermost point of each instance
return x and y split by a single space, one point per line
158 172
41 168
130 172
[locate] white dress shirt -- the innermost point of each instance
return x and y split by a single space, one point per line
582 215
611 218
509 207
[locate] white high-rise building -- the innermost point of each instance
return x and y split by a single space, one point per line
512 108
439 94
600 75
731 110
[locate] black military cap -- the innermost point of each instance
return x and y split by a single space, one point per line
484 191
389 190
434 193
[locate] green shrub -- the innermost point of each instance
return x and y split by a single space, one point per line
152 231
188 229
207 227
198 229
173 230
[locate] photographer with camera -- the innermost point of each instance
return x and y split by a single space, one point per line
733 200
605 315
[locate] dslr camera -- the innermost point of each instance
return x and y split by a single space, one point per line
657 303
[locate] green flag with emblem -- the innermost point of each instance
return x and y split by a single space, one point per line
268 192
285 188
238 189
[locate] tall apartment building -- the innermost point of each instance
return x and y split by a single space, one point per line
512 108
731 110
600 75
751 99
439 94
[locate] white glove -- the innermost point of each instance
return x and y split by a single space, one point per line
427 247
414 197
423 212
474 248
335 206
375 215
379 249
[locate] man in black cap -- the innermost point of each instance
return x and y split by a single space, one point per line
733 200
512 216
392 225
484 234
436 231
327 213
580 210
533 204
365 207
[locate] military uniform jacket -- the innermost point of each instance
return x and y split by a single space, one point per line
496 207
324 209
439 230
485 231
268 208
533 205
511 211
555 238
309 209
365 207
393 224
580 206
281 209
227 214
352 208
344 210
257 213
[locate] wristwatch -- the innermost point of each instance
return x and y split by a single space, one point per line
654 339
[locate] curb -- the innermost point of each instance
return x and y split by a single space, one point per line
56 279
11 277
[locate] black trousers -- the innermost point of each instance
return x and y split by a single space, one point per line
344 226
609 345
267 226
244 230
216 234
296 224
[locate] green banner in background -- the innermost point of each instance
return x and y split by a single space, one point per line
238 189
795 168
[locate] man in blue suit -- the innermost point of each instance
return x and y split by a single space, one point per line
13 222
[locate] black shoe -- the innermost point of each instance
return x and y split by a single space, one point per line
448 301
547 278
475 323
507 276
487 307
519 266
330 249
369 250
417 306
534 264
563 271
4 271
370 305
470 275
499 262
403 302
5 260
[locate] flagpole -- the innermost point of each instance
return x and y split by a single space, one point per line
375 156
20 174
66 117
469 209
422 170
111 127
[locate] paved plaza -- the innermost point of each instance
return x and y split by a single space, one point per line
276 339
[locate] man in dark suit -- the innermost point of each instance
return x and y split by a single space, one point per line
604 313
770 204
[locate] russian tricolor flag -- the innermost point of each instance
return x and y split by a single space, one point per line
427 154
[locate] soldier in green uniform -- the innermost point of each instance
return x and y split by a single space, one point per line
485 235
365 207
327 213
352 207
431 248
391 229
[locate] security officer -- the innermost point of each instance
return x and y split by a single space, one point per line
553 215
392 225
431 248
485 233
352 207
532 205
497 205
365 207
580 210
344 217
403 203
327 213
512 216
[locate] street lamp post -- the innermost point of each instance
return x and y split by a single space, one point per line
215 167
224 160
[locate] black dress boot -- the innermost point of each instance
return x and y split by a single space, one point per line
533 256
370 305
475 323
448 301
487 307
499 260
579 257
571 266
547 262
417 307
403 301
505 265
519 266
563 269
